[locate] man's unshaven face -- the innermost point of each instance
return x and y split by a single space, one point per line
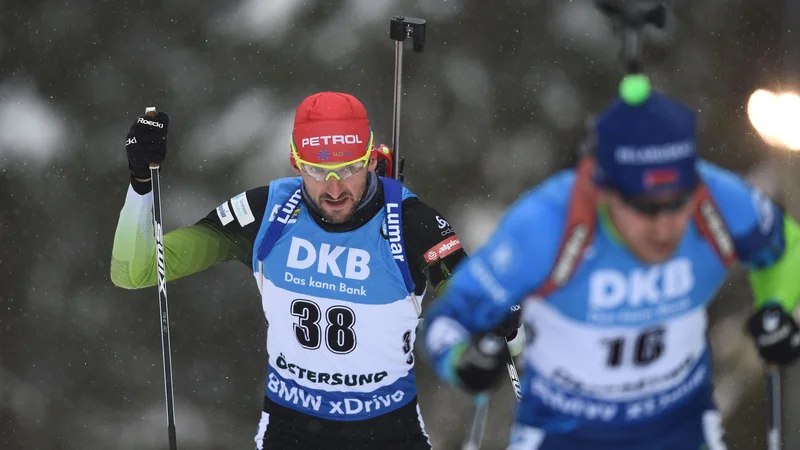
336 199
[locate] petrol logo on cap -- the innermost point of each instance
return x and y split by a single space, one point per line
317 141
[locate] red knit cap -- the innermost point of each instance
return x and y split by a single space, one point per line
330 128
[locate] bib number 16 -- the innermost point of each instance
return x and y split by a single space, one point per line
647 347
339 335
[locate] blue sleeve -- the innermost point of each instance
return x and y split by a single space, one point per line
753 219
514 261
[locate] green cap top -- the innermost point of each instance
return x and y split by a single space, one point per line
634 89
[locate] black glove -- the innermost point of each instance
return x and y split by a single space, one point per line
508 327
483 362
776 335
146 143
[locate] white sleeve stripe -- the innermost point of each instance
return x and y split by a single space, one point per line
241 207
224 214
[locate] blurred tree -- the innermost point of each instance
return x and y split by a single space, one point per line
501 94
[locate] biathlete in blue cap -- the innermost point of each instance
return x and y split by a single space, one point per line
614 263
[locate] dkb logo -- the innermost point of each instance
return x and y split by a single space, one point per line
609 289
303 254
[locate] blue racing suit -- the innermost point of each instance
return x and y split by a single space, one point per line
617 357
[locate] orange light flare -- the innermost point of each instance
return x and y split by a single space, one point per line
776 117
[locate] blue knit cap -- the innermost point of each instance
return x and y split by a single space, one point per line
646 149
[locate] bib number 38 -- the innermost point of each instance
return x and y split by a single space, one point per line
339 335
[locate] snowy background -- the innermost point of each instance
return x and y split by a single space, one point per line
497 102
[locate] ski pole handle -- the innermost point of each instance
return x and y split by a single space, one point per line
150 112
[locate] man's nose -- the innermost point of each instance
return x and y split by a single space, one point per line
663 225
334 187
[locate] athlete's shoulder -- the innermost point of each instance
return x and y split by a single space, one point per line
242 209
753 219
288 185
719 180
556 190
544 208
404 191
427 229
517 257
530 231
407 194
418 216
741 204
414 203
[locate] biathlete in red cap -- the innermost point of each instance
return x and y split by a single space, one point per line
341 257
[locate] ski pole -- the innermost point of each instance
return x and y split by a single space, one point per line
401 28
514 376
162 296
475 436
773 408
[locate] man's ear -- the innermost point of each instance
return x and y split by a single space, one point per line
293 163
373 163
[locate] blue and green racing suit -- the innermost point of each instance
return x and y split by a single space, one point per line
617 355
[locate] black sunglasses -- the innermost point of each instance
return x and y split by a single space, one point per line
650 207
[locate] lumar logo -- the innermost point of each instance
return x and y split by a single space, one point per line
327 140
393 231
289 211
151 122
292 218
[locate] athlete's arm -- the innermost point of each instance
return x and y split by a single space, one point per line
432 246
513 263
767 240
434 250
773 275
225 234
